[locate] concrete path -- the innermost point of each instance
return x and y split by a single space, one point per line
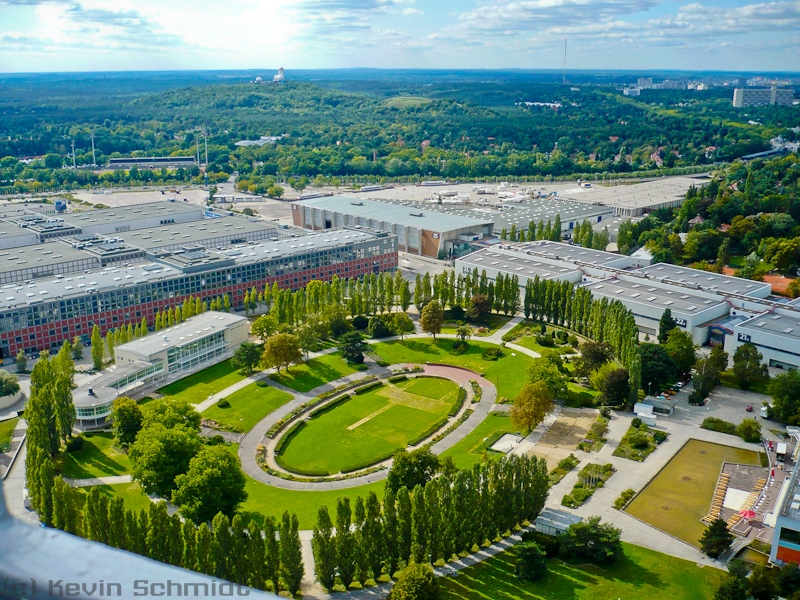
92 481
12 487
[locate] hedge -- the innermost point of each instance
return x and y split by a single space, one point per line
436 426
323 409
371 386
715 424
290 433
462 395
398 378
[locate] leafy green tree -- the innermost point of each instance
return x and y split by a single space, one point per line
784 390
597 378
657 367
273 562
291 553
410 469
404 524
681 350
189 543
593 356
616 388
21 362
246 358
213 483
420 552
734 587
390 531
531 406
77 348
531 561
747 366
402 324
345 543
749 430
548 373
665 325
416 582
263 327
281 350
170 412
126 419
222 547
324 547
352 346
479 308
373 535
159 455
432 318
256 557
599 542
763 583
716 539
97 348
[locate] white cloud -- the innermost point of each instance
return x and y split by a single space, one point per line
412 11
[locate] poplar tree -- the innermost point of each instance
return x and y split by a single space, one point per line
345 545
291 553
373 535
390 531
404 524
273 562
323 544
238 557
223 545
205 551
158 532
256 557
117 534
419 518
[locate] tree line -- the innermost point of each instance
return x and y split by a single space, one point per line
457 511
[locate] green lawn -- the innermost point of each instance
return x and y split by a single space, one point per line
680 495
314 373
530 344
97 458
469 451
6 431
268 501
727 379
642 573
135 498
248 406
198 387
369 427
508 373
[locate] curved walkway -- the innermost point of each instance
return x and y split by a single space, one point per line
256 436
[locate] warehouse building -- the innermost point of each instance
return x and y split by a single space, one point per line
175 352
418 231
39 314
775 333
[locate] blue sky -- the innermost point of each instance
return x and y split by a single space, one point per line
95 35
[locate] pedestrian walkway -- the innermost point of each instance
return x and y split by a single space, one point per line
92 481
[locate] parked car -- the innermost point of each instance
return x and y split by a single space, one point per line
749 409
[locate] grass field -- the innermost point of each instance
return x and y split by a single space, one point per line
469 451
680 495
268 501
131 493
97 458
508 373
6 431
317 371
406 102
248 406
642 573
196 388
369 427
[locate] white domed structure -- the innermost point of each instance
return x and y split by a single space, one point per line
279 77
259 80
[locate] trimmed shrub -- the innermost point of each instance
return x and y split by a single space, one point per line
223 404
636 422
330 406
548 543
366 388
491 353
75 443
462 395
398 378
624 498
715 424
361 322
659 436
545 340
459 348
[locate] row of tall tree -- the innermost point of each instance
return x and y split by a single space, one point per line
457 511
550 231
268 558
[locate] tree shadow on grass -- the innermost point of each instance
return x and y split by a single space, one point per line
77 464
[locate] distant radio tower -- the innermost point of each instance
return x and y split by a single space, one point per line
564 76
94 158
73 154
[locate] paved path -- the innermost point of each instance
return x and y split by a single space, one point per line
256 436
13 485
92 481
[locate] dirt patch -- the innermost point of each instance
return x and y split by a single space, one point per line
779 283
568 431
551 456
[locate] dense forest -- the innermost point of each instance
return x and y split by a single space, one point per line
445 127
750 215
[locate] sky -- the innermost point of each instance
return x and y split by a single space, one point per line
124 35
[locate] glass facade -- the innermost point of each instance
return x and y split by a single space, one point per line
145 373
196 352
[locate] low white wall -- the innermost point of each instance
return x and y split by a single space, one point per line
6 401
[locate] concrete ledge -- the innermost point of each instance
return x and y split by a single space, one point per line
6 401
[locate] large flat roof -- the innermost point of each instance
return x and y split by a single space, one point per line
407 216
191 329
513 213
195 232
783 325
117 276
713 282
571 252
637 195
646 294
517 263
39 255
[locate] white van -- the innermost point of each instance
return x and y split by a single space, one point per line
765 411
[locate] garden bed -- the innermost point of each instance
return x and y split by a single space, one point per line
590 477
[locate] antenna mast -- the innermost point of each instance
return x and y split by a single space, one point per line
564 76
94 158
73 154
205 138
